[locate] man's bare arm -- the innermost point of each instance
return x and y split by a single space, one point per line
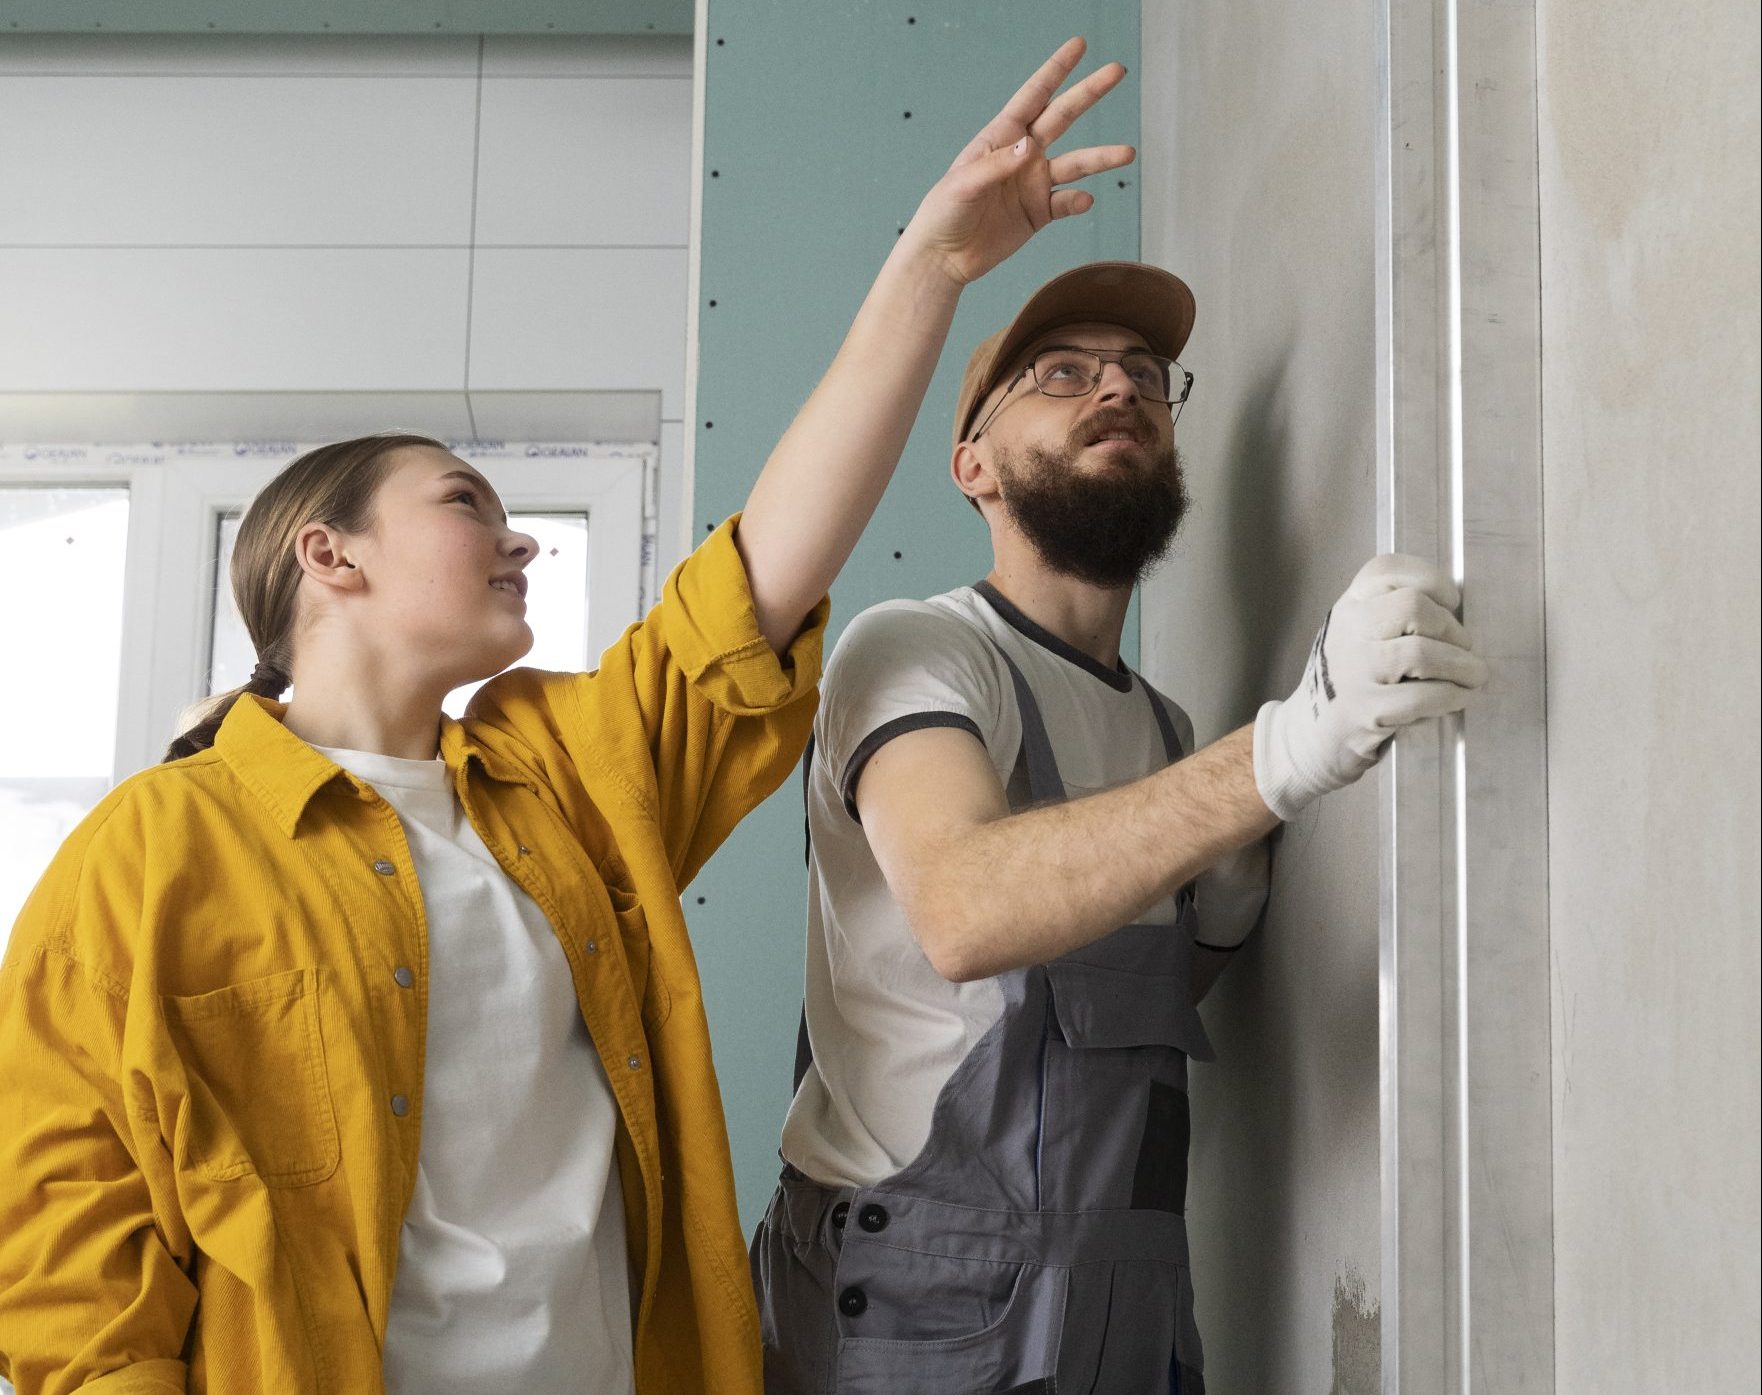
986 890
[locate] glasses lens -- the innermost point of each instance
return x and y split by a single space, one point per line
1060 372
1150 374
1066 372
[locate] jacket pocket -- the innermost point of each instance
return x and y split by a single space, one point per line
646 981
259 1093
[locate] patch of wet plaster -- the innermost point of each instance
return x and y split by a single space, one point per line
1358 1335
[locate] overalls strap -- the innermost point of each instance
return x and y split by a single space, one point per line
1045 784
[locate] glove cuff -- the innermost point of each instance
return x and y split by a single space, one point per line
1282 787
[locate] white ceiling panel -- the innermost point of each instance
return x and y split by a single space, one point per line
106 320
580 319
234 161
603 161
257 55
137 417
587 55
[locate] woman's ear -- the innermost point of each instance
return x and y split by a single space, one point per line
322 552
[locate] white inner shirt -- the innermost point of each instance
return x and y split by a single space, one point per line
512 1268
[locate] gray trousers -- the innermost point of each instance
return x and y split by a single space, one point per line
1117 1322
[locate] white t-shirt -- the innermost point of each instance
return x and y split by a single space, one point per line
887 1030
512 1267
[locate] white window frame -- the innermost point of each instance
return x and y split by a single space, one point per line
175 507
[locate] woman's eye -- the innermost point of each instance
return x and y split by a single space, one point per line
466 495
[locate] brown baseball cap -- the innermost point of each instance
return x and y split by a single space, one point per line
1146 299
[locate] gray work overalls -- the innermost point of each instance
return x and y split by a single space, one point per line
1037 1243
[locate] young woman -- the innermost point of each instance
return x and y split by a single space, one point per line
357 1048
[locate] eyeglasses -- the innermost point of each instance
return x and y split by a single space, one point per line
1063 370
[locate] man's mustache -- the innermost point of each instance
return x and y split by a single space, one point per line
1113 419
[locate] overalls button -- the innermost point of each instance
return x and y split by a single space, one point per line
403 977
853 1302
839 1213
384 868
872 1218
400 1106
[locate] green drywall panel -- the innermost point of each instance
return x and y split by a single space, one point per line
346 16
824 125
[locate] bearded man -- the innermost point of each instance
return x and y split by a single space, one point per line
1023 877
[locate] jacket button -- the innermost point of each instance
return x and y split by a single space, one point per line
384 868
635 1063
403 976
524 850
593 946
400 1105
853 1302
840 1213
872 1218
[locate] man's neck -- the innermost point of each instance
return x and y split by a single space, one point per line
1088 618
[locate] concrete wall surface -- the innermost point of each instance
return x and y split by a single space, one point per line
1258 174
1649 159
1258 168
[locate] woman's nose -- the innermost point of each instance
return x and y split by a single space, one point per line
520 546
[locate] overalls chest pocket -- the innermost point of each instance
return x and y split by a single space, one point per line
259 1100
1114 1123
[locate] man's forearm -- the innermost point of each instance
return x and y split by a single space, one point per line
827 474
1029 887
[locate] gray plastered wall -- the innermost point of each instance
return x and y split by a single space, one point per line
1258 183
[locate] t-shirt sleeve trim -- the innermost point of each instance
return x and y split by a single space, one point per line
887 731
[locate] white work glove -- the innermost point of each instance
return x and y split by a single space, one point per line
1389 654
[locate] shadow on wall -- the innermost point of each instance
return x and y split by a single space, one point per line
1294 1091
1258 487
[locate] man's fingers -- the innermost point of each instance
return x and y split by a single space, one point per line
1410 612
1032 96
1058 117
1402 704
1395 571
1414 658
1080 164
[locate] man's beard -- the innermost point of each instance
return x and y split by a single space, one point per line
1106 527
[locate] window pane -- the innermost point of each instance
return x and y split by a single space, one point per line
556 605
64 549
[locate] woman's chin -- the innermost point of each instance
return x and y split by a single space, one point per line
517 648
486 663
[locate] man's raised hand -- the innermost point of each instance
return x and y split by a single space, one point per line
1004 187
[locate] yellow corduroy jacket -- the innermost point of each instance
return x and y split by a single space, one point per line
211 1070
